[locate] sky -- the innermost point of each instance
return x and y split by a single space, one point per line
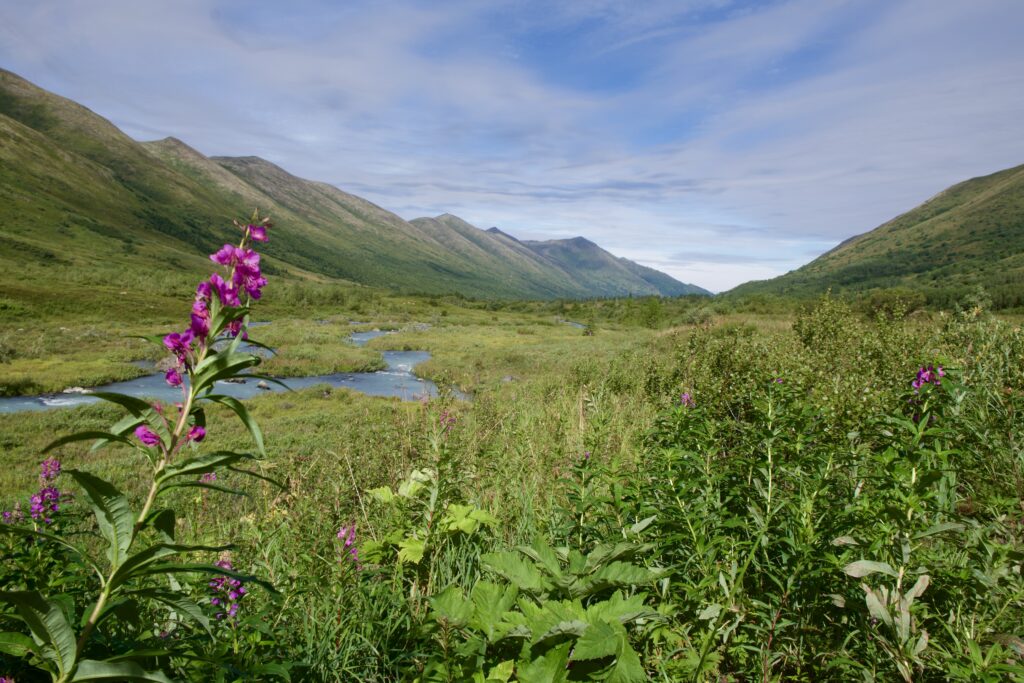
719 141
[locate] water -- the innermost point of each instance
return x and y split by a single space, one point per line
395 380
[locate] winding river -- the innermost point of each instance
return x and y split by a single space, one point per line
395 380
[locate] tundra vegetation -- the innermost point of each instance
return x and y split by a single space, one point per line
679 489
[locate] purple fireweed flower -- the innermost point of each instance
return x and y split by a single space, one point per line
687 401
6 679
227 292
258 233
227 592
49 470
196 434
44 503
146 435
225 256
446 421
208 477
13 516
234 327
173 377
180 344
347 536
928 375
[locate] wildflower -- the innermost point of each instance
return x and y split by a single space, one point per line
234 327
49 470
446 421
13 516
687 401
146 435
208 477
227 592
196 434
45 502
226 291
180 344
777 380
926 376
347 536
225 256
173 377
258 233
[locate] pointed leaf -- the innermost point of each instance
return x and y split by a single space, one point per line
113 514
599 640
17 644
862 568
93 670
875 606
243 415
87 436
49 625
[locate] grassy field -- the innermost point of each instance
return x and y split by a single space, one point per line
801 514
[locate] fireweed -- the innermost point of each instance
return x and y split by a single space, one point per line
142 555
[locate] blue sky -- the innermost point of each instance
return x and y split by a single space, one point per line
719 141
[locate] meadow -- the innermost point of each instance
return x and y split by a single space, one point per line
679 490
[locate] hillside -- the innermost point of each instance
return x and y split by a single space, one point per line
84 203
968 235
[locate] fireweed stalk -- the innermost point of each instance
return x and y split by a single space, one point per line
244 283
166 435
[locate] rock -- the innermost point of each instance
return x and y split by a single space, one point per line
235 380
166 363
508 378
263 385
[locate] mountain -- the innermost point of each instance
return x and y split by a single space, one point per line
82 202
970 234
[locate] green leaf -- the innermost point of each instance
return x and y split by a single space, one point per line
862 568
452 606
541 553
221 366
710 612
490 603
938 529
628 668
177 602
17 644
600 640
875 606
501 672
113 514
93 670
243 415
140 561
517 571
123 428
203 464
411 550
87 436
551 667
48 624
26 531
382 494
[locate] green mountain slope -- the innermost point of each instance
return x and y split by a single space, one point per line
82 202
968 235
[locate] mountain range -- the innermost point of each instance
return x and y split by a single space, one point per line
969 235
77 192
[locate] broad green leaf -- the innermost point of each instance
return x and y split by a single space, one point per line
452 606
551 667
710 612
383 494
599 640
93 670
113 514
490 603
221 366
628 668
501 673
922 644
844 540
411 550
243 415
574 628
169 569
17 644
918 588
49 626
862 568
517 571
541 553
123 427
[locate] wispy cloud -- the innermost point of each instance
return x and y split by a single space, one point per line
718 140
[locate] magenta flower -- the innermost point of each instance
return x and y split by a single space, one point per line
146 435
347 536
49 470
227 292
180 344
446 421
926 376
173 377
226 592
234 327
225 256
13 516
45 503
687 401
258 233
196 434
208 477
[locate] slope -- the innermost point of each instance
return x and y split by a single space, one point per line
968 235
